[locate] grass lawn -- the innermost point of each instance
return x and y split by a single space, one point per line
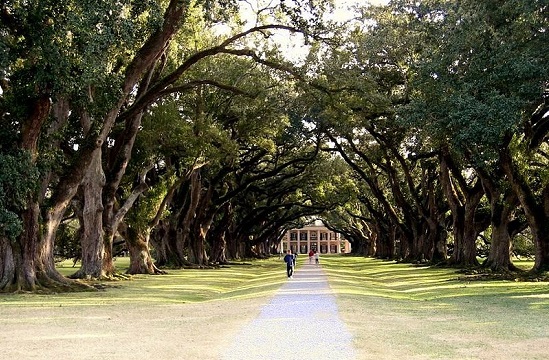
392 310
186 314
241 281
414 312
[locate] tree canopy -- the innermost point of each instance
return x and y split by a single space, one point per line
182 132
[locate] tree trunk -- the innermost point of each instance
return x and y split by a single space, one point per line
420 249
7 261
117 162
218 243
27 279
436 243
436 230
499 258
470 231
141 261
502 207
45 260
142 62
18 270
371 244
156 240
167 244
385 246
218 253
359 240
28 262
196 221
197 249
463 208
93 249
232 246
186 221
440 246
405 242
114 221
423 245
536 214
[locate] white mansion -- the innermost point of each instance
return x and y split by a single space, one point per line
315 237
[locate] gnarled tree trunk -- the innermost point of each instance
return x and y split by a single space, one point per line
91 239
537 213
385 243
436 230
141 261
463 207
7 259
28 262
218 243
502 207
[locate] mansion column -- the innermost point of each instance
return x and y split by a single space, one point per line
318 241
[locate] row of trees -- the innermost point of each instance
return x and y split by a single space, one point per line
151 122
442 116
405 129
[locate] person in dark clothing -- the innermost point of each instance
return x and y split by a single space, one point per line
289 260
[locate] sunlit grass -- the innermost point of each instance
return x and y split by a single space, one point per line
354 277
431 313
253 279
370 277
393 310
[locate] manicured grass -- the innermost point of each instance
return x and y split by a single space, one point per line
349 276
253 279
369 277
405 311
393 310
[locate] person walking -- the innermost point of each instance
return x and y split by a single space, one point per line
311 254
289 260
317 261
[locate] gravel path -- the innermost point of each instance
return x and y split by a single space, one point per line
300 322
